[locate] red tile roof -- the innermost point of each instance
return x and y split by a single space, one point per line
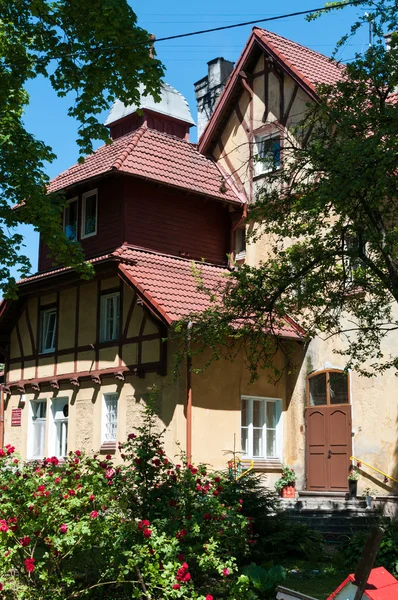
311 67
168 284
156 156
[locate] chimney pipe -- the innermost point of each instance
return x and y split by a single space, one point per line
209 88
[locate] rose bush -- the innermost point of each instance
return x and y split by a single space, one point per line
147 528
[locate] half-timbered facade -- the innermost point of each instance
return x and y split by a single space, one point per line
81 356
336 415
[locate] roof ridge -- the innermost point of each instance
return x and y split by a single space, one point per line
329 58
138 134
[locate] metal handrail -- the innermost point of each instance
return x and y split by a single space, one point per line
362 462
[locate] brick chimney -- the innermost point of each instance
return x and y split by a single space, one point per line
209 88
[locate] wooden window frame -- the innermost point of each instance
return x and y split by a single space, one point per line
259 167
75 199
83 219
326 371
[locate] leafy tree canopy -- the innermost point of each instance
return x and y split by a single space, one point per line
330 216
90 49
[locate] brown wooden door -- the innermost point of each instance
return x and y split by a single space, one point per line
328 436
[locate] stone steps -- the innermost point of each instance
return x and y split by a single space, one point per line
330 513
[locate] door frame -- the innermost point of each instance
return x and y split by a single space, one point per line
328 405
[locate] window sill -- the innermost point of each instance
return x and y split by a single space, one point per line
266 464
108 447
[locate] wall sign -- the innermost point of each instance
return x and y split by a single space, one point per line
16 417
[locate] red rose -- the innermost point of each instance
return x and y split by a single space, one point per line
1 586
94 514
29 564
78 453
176 586
143 524
57 479
63 528
3 525
225 572
181 534
147 532
180 557
91 498
131 436
172 502
209 597
25 541
187 577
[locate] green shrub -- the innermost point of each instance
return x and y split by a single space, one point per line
387 555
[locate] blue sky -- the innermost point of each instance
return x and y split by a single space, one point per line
185 60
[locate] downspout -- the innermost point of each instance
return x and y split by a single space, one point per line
189 395
234 228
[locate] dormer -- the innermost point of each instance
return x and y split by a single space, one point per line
171 115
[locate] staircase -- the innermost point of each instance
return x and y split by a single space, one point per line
331 513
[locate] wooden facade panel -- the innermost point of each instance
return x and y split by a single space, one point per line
46 366
109 225
86 361
258 102
88 314
150 351
15 351
274 98
170 221
24 333
130 354
46 299
110 283
135 321
29 369
67 318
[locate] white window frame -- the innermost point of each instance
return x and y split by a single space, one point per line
278 429
260 167
75 199
103 318
56 425
43 334
84 198
31 429
108 397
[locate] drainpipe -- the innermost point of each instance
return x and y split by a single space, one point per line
243 217
189 395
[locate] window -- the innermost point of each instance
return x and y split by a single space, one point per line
353 262
70 220
240 243
109 419
328 388
268 154
261 428
89 214
48 326
37 432
59 433
110 317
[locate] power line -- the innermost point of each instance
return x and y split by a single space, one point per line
213 29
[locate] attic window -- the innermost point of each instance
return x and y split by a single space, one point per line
267 154
70 220
240 243
89 214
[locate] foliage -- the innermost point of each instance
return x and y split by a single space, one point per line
261 580
89 50
329 216
387 555
287 478
353 475
146 528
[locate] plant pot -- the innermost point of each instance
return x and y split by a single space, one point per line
352 486
368 502
288 492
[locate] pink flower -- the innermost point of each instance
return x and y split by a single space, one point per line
29 564
63 528
91 498
78 453
94 514
147 532
57 479
109 473
209 597
3 525
225 572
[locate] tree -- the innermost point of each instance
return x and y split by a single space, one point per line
330 213
92 50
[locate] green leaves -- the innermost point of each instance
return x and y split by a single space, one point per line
91 47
